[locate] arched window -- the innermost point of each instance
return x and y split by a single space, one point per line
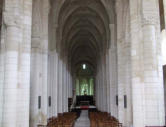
84 66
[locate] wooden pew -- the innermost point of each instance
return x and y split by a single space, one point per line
103 119
63 120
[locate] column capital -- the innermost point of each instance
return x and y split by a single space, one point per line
151 19
150 12
11 19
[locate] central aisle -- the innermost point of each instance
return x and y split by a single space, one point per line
83 120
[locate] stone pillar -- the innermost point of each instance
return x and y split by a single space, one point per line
63 86
52 83
100 87
11 73
54 77
90 87
49 80
137 66
17 41
79 85
113 68
164 4
88 80
97 89
68 88
111 87
70 84
147 86
64 94
97 86
2 72
39 62
60 90
108 82
105 83
55 92
153 85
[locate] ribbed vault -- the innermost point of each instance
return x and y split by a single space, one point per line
83 28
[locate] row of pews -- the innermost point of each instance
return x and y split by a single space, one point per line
103 119
63 120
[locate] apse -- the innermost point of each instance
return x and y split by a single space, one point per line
84 80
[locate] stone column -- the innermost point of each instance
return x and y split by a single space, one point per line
60 90
88 80
49 80
17 40
12 41
100 87
39 61
137 66
45 40
113 76
54 77
111 87
147 86
2 72
70 85
79 85
67 83
163 37
104 83
153 85
97 89
63 86
164 4
55 91
108 82
64 94
23 93
90 86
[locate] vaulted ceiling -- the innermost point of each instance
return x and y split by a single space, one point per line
83 27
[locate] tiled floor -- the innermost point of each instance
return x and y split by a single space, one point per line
83 120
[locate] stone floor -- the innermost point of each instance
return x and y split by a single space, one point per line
83 120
